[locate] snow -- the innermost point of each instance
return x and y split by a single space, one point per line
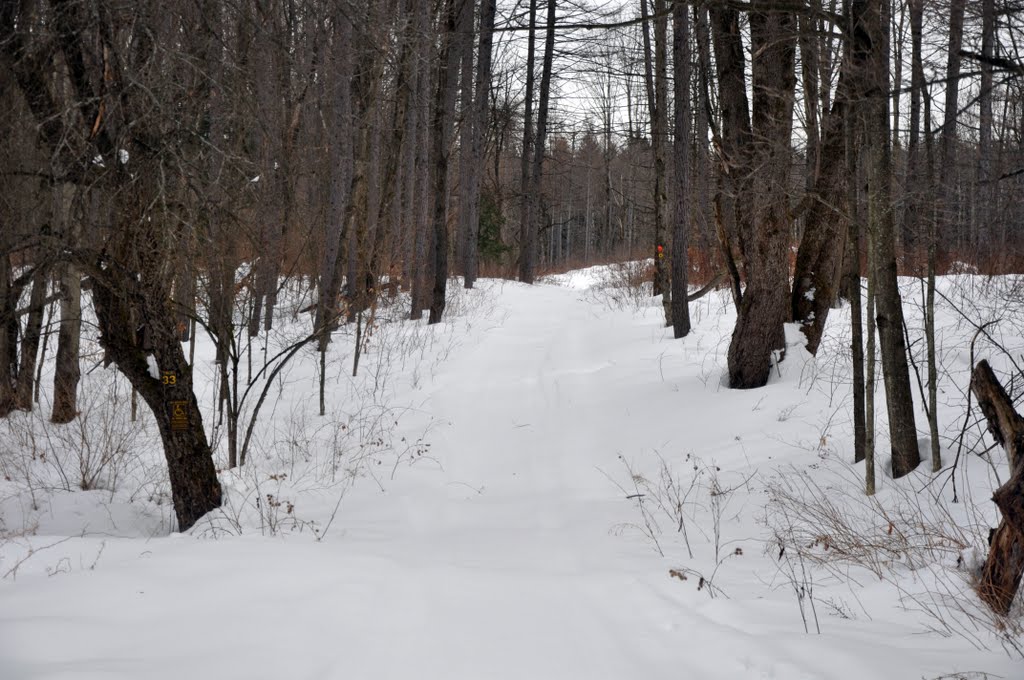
462 513
154 369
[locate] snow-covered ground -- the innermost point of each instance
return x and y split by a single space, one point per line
547 485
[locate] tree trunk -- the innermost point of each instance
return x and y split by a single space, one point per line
477 117
764 309
947 167
424 198
1001 574
122 301
527 231
67 371
899 398
441 124
656 82
341 155
853 134
988 203
8 340
536 215
408 86
703 173
681 60
819 257
732 214
30 340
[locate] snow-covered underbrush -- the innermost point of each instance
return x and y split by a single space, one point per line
621 286
919 542
108 463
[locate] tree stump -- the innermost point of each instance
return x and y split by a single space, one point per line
1001 574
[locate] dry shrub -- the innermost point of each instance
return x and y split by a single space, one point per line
625 286
838 524
905 536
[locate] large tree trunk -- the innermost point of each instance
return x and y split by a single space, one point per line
1001 575
131 330
681 225
764 308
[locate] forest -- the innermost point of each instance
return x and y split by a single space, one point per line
698 323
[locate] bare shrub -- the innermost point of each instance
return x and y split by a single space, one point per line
94 451
677 497
834 527
624 286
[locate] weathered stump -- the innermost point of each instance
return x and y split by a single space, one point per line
1001 575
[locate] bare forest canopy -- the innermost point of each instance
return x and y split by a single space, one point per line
181 160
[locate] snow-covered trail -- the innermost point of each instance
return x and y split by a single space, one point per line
511 558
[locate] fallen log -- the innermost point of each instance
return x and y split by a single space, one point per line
1001 574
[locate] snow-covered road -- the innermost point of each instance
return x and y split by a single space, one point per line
511 553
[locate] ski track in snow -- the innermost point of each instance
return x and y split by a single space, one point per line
513 559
